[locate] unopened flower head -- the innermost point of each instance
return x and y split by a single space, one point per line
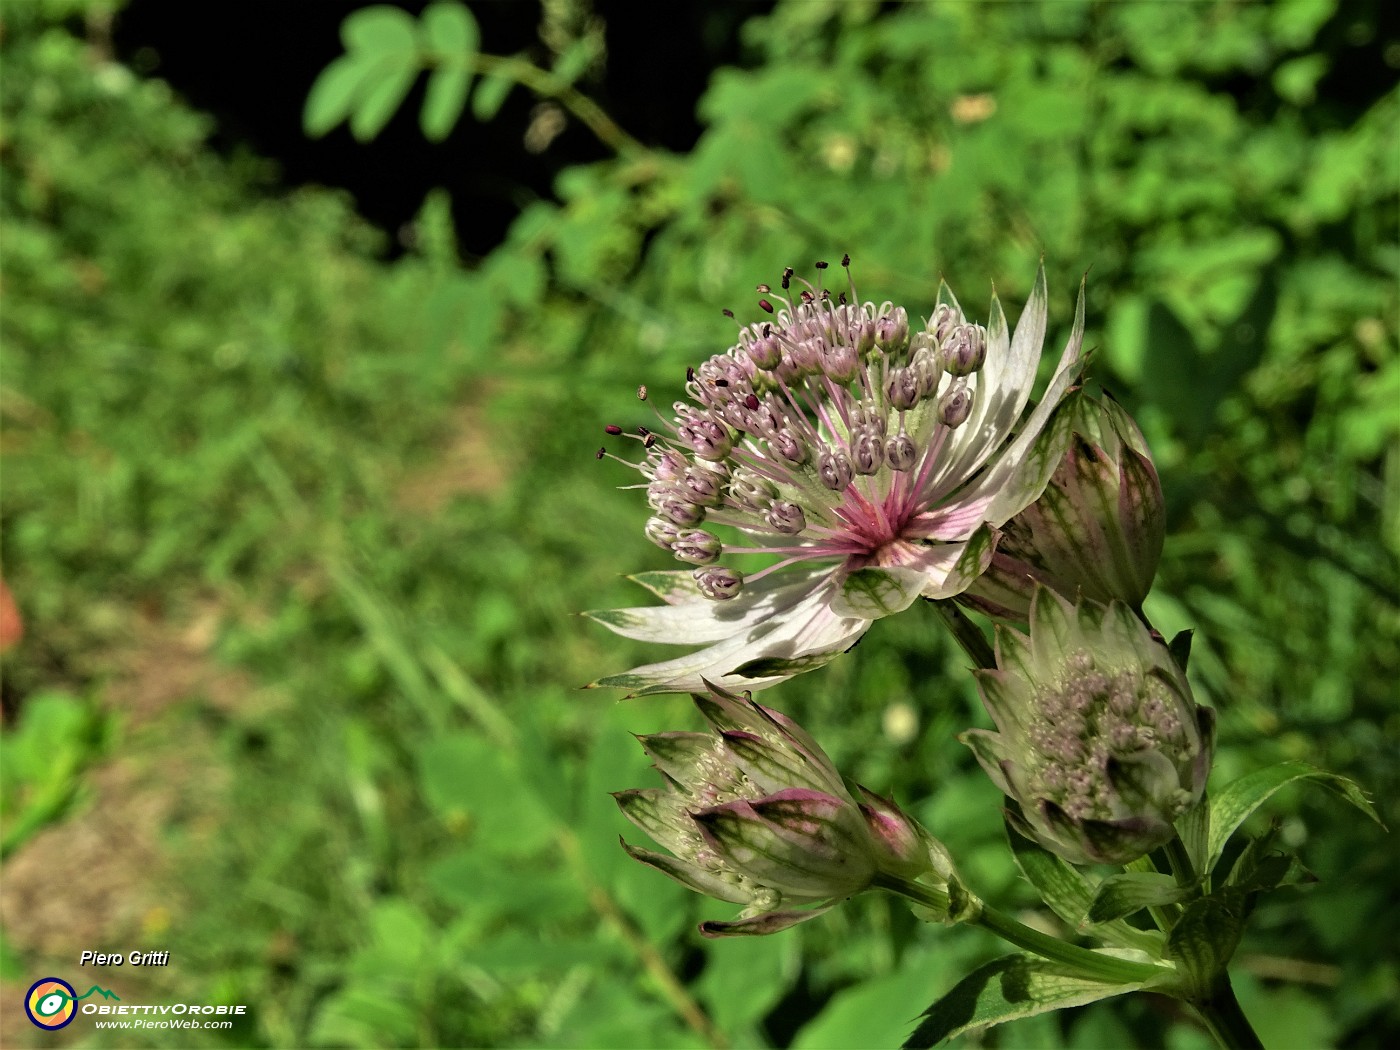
1100 744
1096 530
754 813
871 455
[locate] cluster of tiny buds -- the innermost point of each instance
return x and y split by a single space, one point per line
801 408
714 780
1093 718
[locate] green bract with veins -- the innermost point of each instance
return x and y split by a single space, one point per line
754 813
872 456
1100 745
1097 530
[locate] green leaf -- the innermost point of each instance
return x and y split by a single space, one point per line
1120 895
332 96
490 95
1180 648
872 593
1230 808
1005 989
1069 894
442 105
1259 868
573 61
384 91
1205 937
1194 831
378 30
450 31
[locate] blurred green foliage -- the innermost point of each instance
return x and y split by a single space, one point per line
381 476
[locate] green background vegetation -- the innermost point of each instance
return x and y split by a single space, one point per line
299 535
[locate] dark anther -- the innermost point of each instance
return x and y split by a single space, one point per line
648 441
807 296
690 375
820 265
728 313
765 306
613 429
721 382
787 283
846 259
788 271
602 451
841 298
767 330
751 402
643 431
825 296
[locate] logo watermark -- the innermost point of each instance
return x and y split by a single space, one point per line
51 1002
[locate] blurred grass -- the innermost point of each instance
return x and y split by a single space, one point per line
379 479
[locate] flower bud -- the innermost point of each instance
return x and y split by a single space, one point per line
835 469
751 492
754 813
1097 529
703 487
868 451
718 583
1100 745
786 517
765 351
892 331
900 452
955 405
965 349
697 547
661 532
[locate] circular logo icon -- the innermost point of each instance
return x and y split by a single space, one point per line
50 1003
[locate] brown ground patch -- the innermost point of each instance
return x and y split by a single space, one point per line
474 459
102 879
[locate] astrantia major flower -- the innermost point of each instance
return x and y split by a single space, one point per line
754 813
872 457
1100 745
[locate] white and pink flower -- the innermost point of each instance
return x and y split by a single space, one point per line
873 459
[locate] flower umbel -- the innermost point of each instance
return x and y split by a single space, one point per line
872 457
1096 530
754 813
1100 745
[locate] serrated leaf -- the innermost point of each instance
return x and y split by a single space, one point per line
490 95
1118 896
1234 803
443 102
450 31
382 94
1205 937
1006 989
332 96
378 29
1069 895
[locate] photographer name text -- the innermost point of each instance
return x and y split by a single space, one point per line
137 958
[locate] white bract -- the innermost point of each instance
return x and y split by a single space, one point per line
874 461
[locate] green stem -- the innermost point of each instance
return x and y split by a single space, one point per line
969 635
545 84
1182 868
1090 964
1226 1021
